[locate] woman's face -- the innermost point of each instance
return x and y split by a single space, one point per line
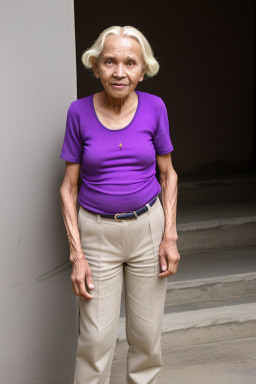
120 66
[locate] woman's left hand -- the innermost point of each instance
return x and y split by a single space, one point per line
169 258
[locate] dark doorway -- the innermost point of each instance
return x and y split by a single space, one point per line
206 55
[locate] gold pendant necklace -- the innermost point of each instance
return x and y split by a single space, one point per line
120 145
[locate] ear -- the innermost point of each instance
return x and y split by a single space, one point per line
95 67
142 74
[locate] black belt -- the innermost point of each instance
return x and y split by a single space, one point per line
130 215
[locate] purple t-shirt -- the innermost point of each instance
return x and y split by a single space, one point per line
118 166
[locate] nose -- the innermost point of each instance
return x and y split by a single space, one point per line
119 71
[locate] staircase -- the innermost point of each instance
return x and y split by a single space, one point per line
212 295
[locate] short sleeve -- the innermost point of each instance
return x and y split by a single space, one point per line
162 141
72 148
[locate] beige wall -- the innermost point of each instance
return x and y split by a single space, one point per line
38 320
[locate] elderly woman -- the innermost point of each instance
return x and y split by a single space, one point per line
122 232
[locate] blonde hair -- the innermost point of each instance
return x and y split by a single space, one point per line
152 66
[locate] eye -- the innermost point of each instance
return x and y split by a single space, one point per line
131 63
108 61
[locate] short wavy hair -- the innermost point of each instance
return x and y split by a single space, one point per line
151 64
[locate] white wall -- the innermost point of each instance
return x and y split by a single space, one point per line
38 81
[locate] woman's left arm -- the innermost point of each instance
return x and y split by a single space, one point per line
168 253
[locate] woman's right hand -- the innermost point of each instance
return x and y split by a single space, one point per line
81 276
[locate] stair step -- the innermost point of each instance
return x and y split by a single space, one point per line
227 187
216 225
188 213
211 266
204 318
209 316
213 287
211 278
211 294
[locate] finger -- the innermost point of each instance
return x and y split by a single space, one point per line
88 277
74 286
172 269
83 292
75 289
163 263
165 274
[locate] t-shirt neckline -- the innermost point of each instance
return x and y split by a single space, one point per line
120 129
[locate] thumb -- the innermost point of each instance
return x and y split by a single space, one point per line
88 277
163 264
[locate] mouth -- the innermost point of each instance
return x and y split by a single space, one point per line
119 85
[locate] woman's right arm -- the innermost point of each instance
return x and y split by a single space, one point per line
80 268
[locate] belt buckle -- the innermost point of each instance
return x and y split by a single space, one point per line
124 213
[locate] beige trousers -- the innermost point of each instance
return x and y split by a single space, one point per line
121 251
